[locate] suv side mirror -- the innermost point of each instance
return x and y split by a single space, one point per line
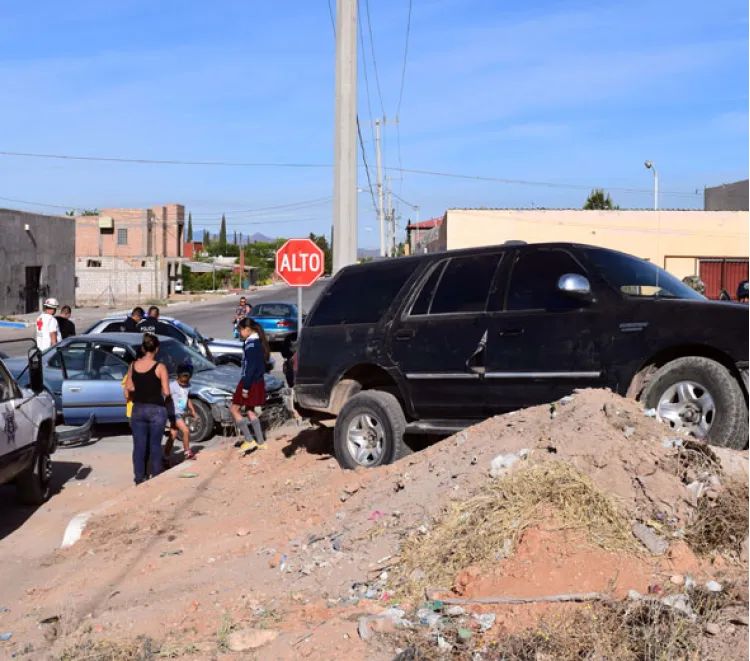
575 286
36 373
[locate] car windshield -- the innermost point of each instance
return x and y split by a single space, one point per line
188 330
637 277
272 310
173 354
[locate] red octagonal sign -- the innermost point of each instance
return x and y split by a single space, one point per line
300 262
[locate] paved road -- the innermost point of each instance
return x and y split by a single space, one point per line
213 319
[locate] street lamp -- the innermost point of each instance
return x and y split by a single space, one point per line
650 166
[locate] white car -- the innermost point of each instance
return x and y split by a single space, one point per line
28 437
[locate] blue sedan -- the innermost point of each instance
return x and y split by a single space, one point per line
278 321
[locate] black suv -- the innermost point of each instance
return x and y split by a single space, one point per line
434 343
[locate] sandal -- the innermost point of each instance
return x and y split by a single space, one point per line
189 454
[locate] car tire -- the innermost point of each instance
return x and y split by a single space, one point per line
33 485
203 427
374 422
696 375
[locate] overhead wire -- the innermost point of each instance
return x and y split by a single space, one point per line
401 93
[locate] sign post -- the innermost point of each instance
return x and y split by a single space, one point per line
299 263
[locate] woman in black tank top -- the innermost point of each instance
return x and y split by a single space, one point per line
148 385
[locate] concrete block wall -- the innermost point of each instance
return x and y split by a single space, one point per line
49 243
115 281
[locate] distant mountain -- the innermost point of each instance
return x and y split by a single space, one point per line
259 238
364 253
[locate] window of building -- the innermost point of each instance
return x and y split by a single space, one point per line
533 281
93 263
122 237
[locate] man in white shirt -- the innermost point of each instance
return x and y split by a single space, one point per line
47 328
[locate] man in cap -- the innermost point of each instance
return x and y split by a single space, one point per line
47 328
742 291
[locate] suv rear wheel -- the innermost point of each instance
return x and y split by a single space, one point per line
33 485
700 396
369 431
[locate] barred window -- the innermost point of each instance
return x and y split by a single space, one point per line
122 237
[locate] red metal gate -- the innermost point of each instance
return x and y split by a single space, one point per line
721 274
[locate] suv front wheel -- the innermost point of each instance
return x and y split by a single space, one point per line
700 396
369 431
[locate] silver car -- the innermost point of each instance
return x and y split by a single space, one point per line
84 375
221 352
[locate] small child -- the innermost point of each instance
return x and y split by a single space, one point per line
251 390
180 391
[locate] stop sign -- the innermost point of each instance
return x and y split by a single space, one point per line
300 262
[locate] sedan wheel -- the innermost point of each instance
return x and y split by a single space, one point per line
688 406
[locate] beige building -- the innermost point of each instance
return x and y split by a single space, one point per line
683 242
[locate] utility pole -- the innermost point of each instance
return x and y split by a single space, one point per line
391 221
345 137
380 188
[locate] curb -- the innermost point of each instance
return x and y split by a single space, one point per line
13 324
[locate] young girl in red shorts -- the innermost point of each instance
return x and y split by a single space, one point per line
251 390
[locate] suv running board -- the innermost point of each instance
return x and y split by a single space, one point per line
438 426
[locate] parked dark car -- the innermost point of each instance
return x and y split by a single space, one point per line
434 343
84 375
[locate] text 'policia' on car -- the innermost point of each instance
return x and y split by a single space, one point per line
434 343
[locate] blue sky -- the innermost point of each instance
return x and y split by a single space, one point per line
573 93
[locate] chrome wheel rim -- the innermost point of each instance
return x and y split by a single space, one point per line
365 439
688 406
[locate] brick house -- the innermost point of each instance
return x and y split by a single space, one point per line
126 255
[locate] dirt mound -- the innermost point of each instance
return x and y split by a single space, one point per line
285 540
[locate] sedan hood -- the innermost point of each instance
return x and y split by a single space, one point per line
234 345
226 377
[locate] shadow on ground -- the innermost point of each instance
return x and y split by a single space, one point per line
13 514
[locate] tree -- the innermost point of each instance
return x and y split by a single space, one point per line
190 228
322 243
598 200
234 243
206 240
223 233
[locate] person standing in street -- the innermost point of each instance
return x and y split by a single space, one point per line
151 324
251 390
148 385
67 327
47 328
242 311
130 325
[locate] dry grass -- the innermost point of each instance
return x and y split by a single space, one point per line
474 532
143 649
720 525
626 631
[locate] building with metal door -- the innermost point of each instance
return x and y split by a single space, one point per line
37 260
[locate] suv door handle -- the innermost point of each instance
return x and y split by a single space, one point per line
75 389
403 335
511 332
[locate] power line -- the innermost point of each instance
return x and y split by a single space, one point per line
366 77
367 169
403 67
153 161
374 59
547 184
290 205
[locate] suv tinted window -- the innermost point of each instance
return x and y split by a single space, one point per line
637 277
465 284
422 304
7 391
533 281
362 296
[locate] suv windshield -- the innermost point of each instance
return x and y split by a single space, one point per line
636 277
173 354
